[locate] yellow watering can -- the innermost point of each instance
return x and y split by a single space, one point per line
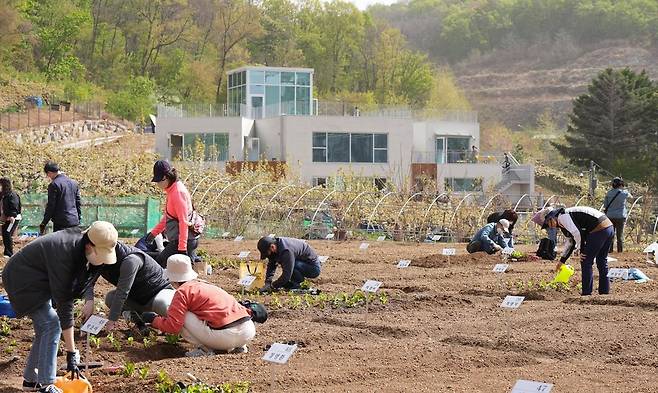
564 274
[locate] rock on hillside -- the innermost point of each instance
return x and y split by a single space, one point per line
517 92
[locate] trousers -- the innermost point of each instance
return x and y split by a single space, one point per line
596 247
198 332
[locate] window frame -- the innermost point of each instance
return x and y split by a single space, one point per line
325 148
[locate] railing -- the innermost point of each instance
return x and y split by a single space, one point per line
49 114
455 157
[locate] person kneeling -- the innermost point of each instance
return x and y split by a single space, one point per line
491 238
204 314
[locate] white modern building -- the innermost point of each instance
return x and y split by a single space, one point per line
271 116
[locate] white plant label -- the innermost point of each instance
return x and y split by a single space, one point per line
94 324
238 238
134 231
371 286
225 234
272 235
449 251
653 247
329 236
617 273
611 259
436 238
279 353
323 258
243 254
500 268
507 251
523 386
364 246
404 263
247 280
512 301
381 238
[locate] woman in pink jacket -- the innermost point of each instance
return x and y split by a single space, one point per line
176 218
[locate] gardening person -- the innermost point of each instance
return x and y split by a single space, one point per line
490 238
177 214
152 249
297 259
55 270
540 217
615 209
509 215
590 231
204 314
10 215
140 286
63 206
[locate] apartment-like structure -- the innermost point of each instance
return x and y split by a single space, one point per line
271 115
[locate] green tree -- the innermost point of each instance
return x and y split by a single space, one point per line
135 101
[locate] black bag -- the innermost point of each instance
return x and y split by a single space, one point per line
546 249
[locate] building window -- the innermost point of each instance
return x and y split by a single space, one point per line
458 149
215 147
344 147
303 79
287 78
463 184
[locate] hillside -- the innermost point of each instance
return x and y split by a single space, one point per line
516 92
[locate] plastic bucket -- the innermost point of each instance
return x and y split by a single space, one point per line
73 385
5 307
564 274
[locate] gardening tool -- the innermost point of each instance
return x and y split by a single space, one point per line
564 274
256 269
68 384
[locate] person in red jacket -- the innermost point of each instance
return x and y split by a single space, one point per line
204 314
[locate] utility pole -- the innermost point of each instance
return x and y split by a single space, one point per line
592 180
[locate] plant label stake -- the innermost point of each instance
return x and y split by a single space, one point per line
404 263
225 234
436 238
618 273
363 246
448 252
246 281
370 286
243 254
381 238
238 238
524 386
499 269
506 253
93 326
512 302
134 231
329 236
323 258
278 354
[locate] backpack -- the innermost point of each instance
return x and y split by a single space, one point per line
197 224
546 249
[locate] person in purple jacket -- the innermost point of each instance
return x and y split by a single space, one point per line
297 259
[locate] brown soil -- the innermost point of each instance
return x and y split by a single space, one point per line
441 331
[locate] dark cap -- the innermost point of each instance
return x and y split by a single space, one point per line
264 245
617 182
257 310
51 166
160 169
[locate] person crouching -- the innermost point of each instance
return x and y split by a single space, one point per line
491 238
205 314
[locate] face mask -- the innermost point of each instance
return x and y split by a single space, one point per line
92 258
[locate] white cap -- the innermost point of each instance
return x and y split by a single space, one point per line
505 224
179 268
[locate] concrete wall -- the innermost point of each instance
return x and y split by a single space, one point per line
270 135
490 173
298 143
191 125
425 133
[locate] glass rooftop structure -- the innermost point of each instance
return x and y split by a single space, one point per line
258 92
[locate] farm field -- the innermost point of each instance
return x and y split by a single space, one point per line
439 328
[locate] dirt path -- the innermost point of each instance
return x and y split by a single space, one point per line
442 330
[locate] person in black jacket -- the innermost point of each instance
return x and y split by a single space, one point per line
63 206
141 286
297 259
11 215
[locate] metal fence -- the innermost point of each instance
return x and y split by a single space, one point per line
35 116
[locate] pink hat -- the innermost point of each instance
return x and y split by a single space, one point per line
540 216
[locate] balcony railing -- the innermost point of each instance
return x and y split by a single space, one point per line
456 157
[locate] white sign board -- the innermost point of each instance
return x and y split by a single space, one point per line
507 251
611 259
653 247
381 238
225 234
329 236
243 254
523 386
238 238
247 280
404 263
371 286
134 231
500 267
512 301
449 251
94 324
617 273
279 353
436 238
323 258
363 246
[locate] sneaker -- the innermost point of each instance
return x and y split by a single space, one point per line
31 386
50 389
199 352
242 349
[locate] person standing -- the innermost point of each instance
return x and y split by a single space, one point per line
11 215
63 206
55 269
590 231
615 208
177 214
297 259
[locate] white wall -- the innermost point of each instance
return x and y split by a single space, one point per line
269 133
490 173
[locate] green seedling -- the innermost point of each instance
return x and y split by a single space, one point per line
275 302
95 341
114 342
128 369
131 341
383 298
143 372
294 302
172 339
5 328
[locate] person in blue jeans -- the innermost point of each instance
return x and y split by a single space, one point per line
297 259
491 238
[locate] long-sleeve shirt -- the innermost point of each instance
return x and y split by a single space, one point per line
63 202
288 251
178 208
617 205
209 303
576 223
11 205
489 236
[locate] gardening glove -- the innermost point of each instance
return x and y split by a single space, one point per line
558 266
149 238
497 247
148 317
72 363
266 289
42 229
87 310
